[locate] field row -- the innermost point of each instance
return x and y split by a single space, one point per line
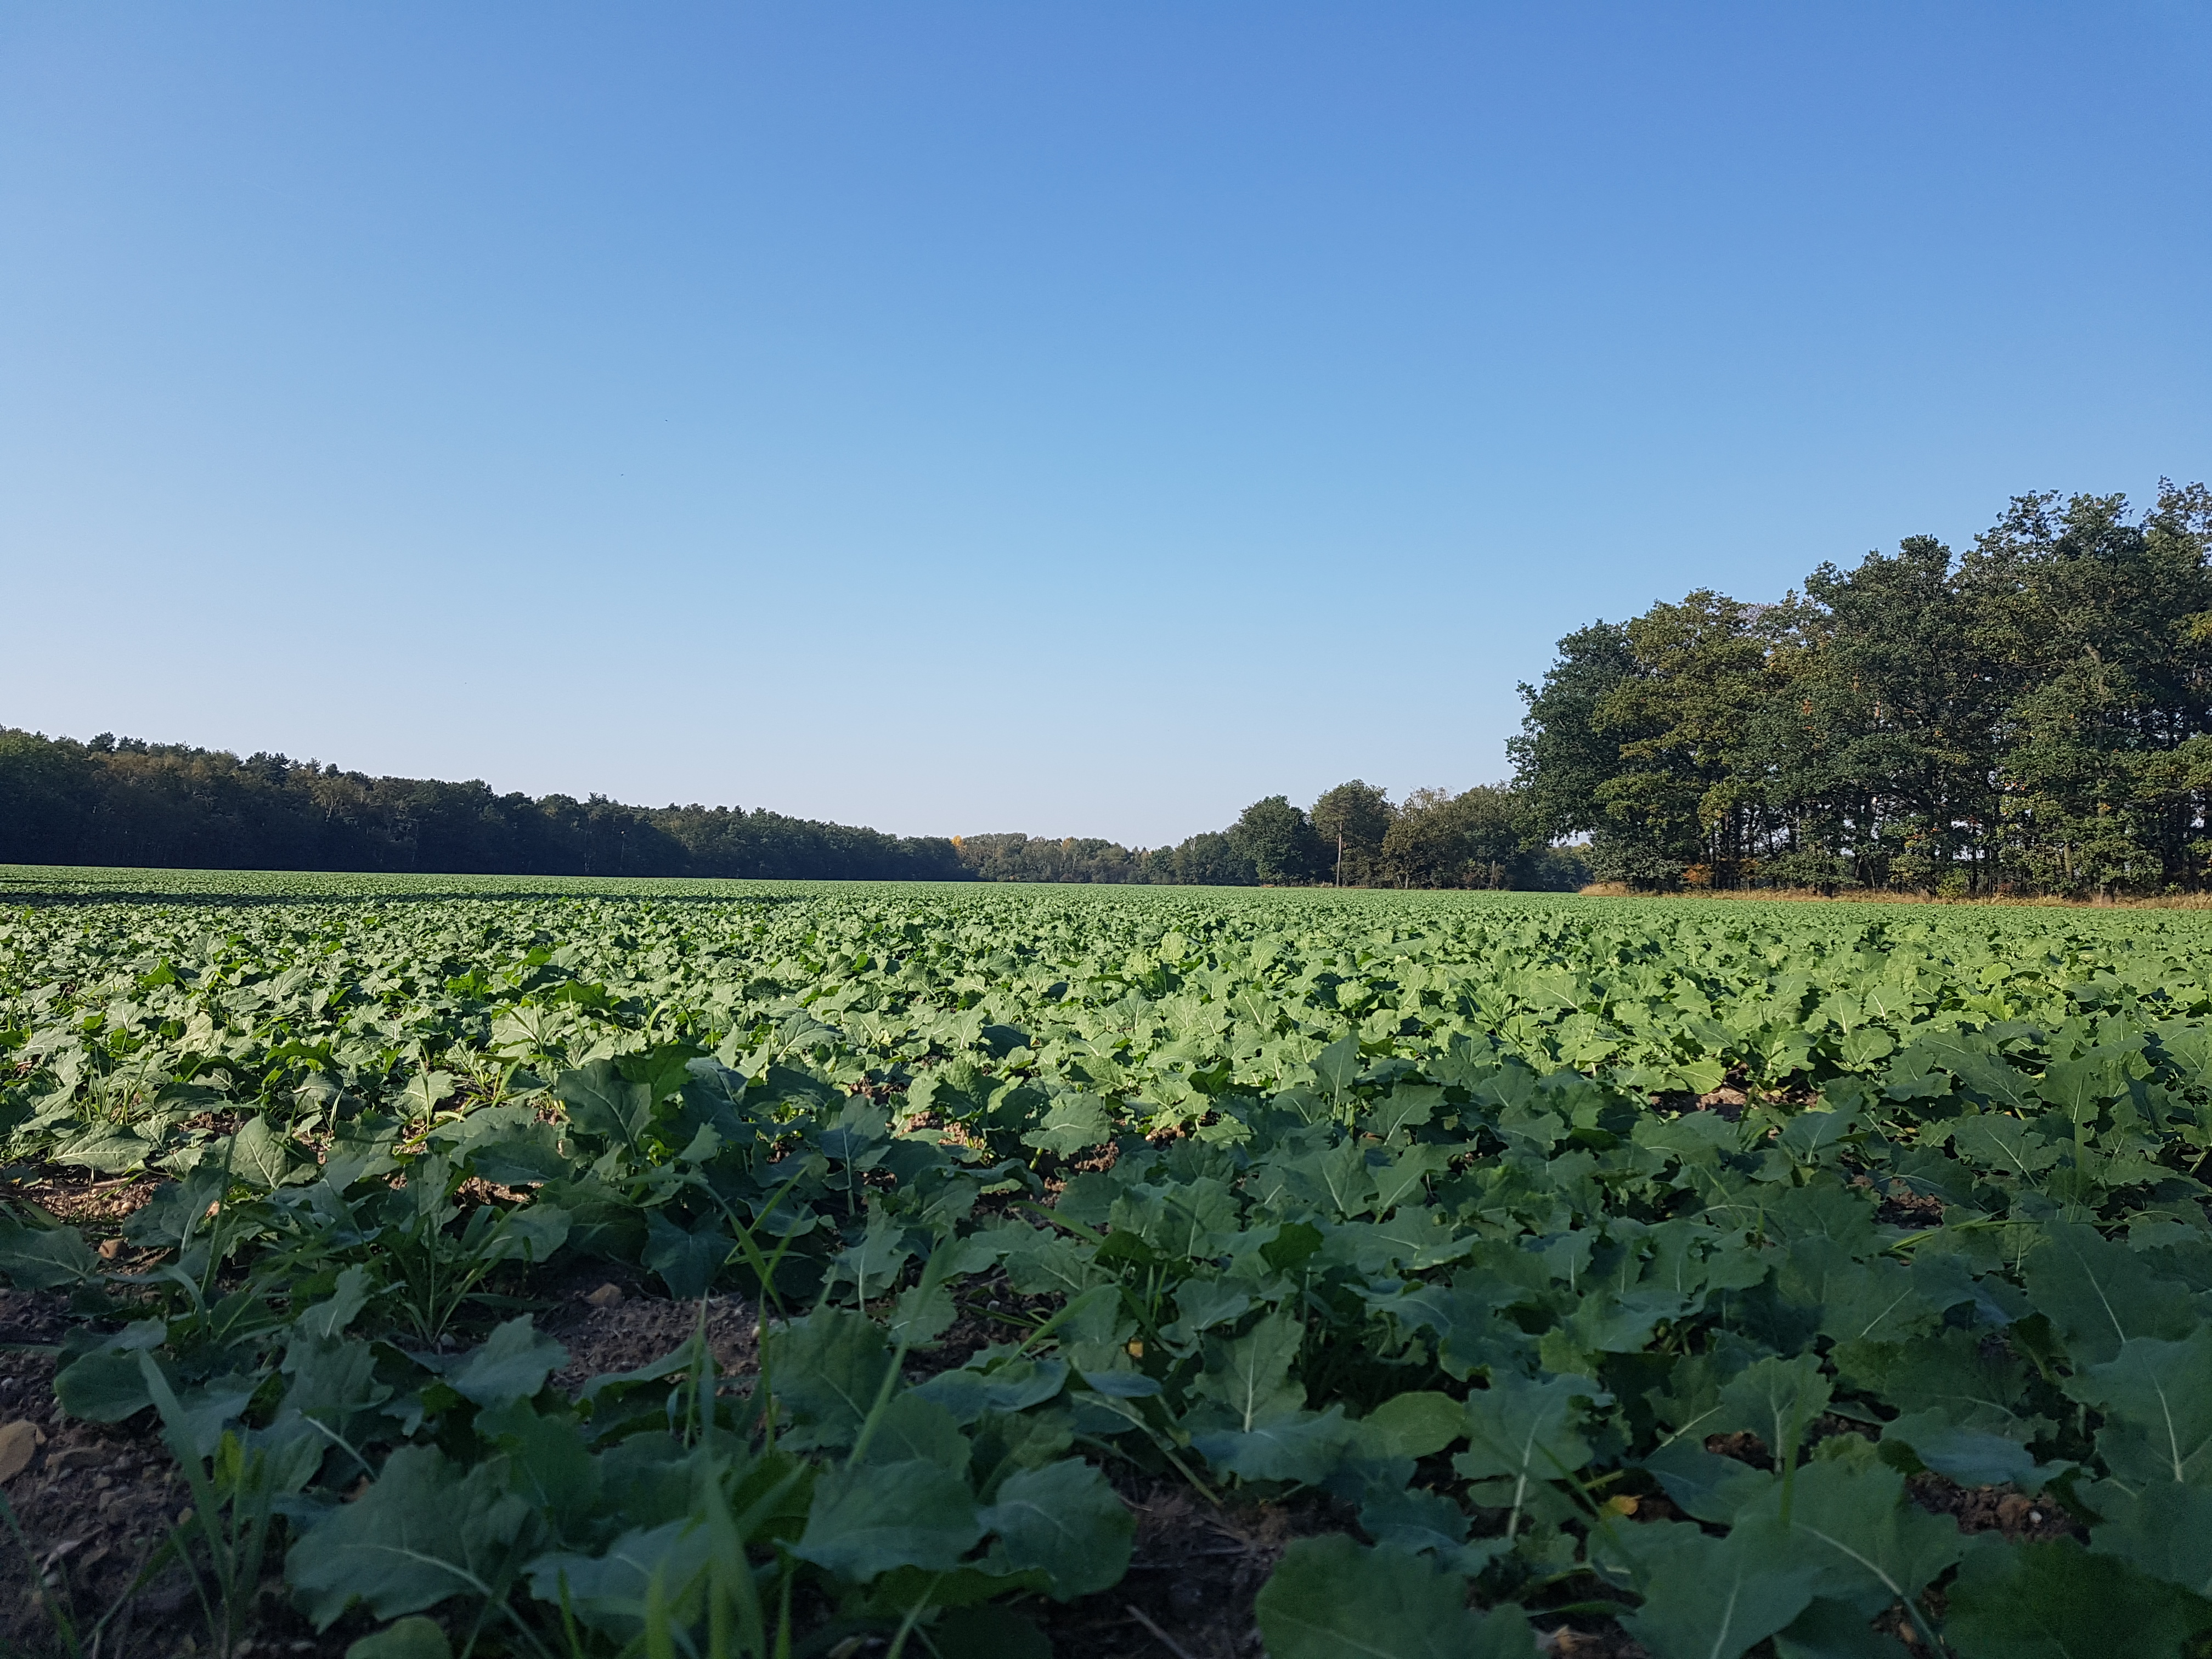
1683 1275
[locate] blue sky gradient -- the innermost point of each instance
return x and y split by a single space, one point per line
1083 420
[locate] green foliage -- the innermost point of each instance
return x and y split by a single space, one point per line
1409 1206
1280 842
2059 1601
1062 1520
1330 1599
64 802
411 1637
2035 716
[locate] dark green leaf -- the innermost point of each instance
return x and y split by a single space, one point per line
2099 1294
513 1365
2165 1530
1329 1598
422 1532
869 1519
1834 1630
828 1368
2057 1600
40 1259
412 1638
1713 1598
2157 1400
1526 1429
687 1262
1063 1521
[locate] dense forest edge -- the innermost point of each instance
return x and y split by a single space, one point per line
130 803
2031 719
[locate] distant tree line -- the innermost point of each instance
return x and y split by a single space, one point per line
2032 717
127 802
121 801
1353 836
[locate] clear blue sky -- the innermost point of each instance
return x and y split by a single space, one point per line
1078 419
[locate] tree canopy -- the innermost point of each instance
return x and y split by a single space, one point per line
2034 716
125 802
1353 820
115 801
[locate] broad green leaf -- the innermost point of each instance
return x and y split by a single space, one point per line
1075 1121
1334 1181
530 1233
2164 1529
1876 1301
1776 1399
1812 1136
1702 1484
608 1592
522 1154
921 1314
1065 1521
1995 1141
1412 1520
1614 1321
1462 1316
871 1518
1524 1432
1969 1456
1405 1179
411 1637
102 1387
1008 1385
827 1369
1408 1106
326 1322
1337 1067
910 1427
2057 1600
1181 1220
107 1385
602 1103
1712 1598
1328 1598
255 1155
1413 1424
107 1149
333 1381
2082 1086
874 1260
202 1414
1251 1374
2157 1400
1868 1044
1041 1263
1853 1524
513 1365
549 1464
1298 1445
43 1258
424 1531
1202 1303
1835 1630
687 1262
1949 1373
423 1092
2099 1294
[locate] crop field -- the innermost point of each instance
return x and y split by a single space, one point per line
428 1266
